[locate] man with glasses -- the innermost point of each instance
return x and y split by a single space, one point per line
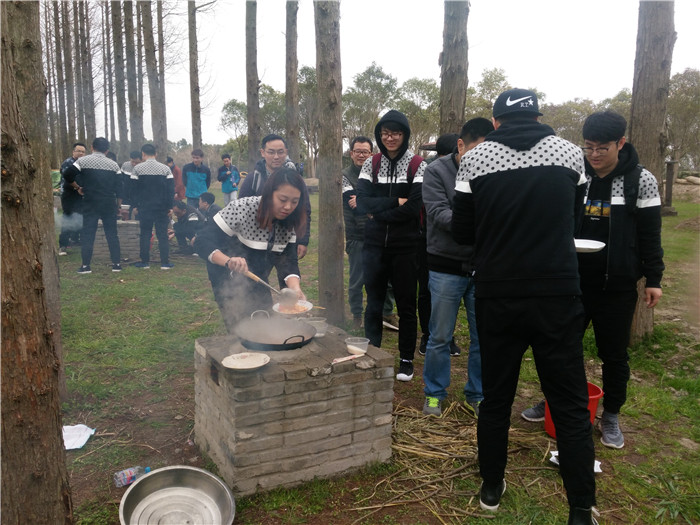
623 210
518 197
273 151
389 194
71 201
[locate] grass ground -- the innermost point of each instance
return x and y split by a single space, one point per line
128 346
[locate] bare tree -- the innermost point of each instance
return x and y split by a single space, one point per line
86 67
330 224
108 68
35 485
60 76
78 70
135 112
68 72
656 37
118 48
161 59
454 62
50 70
292 83
160 132
252 82
195 103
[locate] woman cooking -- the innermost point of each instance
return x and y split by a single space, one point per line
254 234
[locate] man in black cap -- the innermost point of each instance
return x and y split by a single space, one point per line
519 199
389 193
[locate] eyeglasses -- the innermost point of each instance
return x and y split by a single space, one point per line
602 150
392 134
276 153
362 152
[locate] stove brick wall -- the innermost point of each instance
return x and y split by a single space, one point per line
288 423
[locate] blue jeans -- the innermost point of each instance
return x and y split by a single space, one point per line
447 291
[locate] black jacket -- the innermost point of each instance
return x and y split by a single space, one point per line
354 220
391 226
153 186
633 233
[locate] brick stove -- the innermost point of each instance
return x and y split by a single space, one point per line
298 417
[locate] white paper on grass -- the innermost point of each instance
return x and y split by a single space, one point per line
555 459
75 436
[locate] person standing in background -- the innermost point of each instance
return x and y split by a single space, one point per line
71 205
196 177
177 178
229 178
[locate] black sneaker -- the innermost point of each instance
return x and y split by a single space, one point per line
454 349
490 496
167 266
143 265
405 370
579 516
117 267
85 268
423 344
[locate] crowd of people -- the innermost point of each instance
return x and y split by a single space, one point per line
491 224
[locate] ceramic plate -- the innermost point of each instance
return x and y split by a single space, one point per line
246 361
588 246
300 307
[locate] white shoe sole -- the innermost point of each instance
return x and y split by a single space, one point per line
403 377
612 445
493 508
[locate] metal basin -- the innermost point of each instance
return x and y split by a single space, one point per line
177 495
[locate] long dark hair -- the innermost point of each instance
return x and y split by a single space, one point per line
297 219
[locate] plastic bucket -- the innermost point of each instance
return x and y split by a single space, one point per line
594 395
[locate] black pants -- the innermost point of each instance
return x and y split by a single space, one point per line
159 219
424 303
184 231
380 266
611 314
551 326
72 220
93 212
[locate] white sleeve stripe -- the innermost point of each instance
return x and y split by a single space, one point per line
648 203
221 223
463 187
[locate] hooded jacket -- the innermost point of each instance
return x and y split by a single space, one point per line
519 195
632 234
354 221
390 225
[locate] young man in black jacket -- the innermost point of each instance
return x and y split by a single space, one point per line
153 190
518 195
99 180
389 194
623 211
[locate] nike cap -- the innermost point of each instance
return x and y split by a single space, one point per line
516 101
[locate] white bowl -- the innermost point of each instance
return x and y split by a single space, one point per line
357 345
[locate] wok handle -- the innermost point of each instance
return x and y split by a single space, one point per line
252 276
301 338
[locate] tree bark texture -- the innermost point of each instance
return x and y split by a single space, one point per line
88 84
119 85
161 68
68 72
108 85
135 113
35 485
160 132
330 223
292 91
454 66
652 75
195 104
252 83
78 70
54 139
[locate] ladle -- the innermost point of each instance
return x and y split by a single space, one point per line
288 297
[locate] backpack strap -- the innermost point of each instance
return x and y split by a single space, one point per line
376 161
630 188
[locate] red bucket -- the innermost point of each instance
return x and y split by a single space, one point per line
594 395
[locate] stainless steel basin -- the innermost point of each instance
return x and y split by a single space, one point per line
177 495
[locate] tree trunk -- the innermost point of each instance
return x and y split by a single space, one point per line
161 72
454 63
252 83
118 48
330 223
68 73
108 68
139 66
60 88
35 485
135 115
78 70
54 141
195 105
88 85
652 75
160 138
292 92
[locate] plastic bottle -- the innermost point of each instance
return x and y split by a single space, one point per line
128 476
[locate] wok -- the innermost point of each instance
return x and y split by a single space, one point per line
263 333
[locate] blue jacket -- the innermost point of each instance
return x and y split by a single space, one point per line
196 179
229 181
